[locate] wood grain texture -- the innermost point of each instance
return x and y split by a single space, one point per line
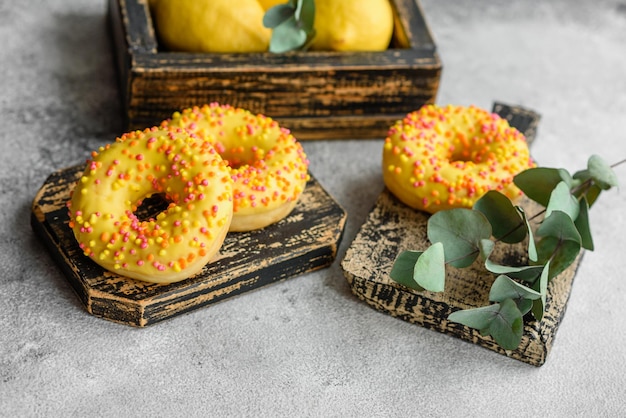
393 227
304 241
317 95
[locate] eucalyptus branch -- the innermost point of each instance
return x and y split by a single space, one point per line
459 236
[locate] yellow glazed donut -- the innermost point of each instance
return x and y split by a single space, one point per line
192 177
267 164
445 157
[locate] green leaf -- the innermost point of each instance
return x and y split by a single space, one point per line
505 288
503 321
278 14
305 14
532 249
292 25
524 305
287 36
602 173
460 231
592 191
403 268
561 199
506 223
560 244
592 194
486 247
430 269
526 273
539 305
582 224
538 183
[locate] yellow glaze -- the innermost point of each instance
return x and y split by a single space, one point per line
175 244
267 164
440 158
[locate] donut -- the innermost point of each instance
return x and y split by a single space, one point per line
189 177
267 164
439 158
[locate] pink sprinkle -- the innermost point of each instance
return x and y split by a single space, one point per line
140 262
139 157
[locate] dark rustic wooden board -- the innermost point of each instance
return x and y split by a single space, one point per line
393 227
317 95
304 241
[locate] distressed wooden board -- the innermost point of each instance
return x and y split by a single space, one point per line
317 95
304 241
393 227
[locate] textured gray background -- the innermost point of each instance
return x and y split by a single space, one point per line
307 347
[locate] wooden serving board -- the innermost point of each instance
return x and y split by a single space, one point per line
304 241
393 227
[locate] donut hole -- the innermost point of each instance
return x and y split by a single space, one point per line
476 153
151 206
240 157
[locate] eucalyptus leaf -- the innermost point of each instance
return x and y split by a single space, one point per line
403 268
460 231
506 223
526 273
559 225
430 269
508 327
538 183
532 249
591 191
292 25
287 36
278 14
592 194
601 173
525 305
305 14
503 321
486 247
505 288
539 305
561 199
560 244
582 225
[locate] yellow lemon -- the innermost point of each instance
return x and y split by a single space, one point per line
267 4
353 25
211 25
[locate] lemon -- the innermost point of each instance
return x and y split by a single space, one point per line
267 4
352 25
211 25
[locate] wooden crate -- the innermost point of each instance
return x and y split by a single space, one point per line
318 95
392 227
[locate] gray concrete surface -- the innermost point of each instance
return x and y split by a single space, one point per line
306 346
